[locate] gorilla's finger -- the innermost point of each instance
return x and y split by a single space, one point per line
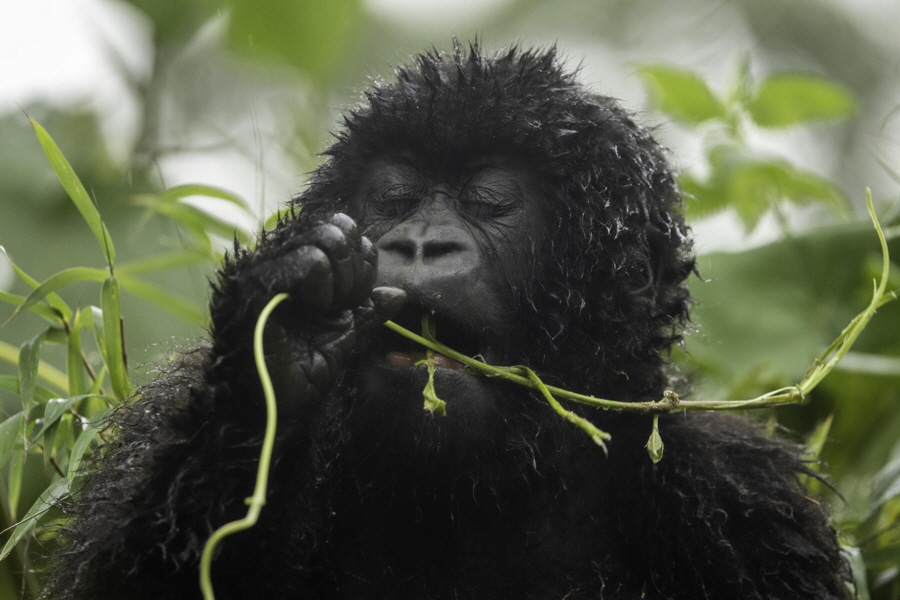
365 269
338 242
386 302
308 272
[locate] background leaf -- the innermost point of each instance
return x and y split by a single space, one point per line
681 94
788 99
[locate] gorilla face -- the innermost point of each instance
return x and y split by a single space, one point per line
461 243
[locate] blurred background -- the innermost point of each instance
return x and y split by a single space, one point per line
144 95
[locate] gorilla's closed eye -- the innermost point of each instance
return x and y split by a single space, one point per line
395 201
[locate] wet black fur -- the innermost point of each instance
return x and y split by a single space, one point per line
352 514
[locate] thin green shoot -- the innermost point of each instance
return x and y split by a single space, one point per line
258 499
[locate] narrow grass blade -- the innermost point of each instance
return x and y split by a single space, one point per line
49 498
76 191
112 334
59 281
98 421
194 189
9 433
53 300
29 359
74 360
55 409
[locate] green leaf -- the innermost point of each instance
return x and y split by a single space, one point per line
29 359
47 500
53 300
193 189
11 384
58 281
14 483
858 570
786 99
886 483
76 191
54 409
681 94
886 557
702 200
752 186
42 310
113 337
74 361
198 223
9 433
816 440
84 441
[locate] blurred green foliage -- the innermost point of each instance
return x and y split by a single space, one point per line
761 315
742 178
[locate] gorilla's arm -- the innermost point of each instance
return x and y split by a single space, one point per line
188 452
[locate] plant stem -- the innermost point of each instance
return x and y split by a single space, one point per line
258 499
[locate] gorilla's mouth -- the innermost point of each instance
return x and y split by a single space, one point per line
405 353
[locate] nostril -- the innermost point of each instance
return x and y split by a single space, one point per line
403 246
439 248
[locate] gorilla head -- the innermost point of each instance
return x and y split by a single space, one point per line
536 220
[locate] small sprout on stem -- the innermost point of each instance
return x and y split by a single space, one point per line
655 444
433 404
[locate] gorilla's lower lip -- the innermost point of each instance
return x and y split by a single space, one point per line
409 360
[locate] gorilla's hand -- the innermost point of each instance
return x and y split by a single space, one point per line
328 269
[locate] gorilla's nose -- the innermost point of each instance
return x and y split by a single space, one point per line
430 256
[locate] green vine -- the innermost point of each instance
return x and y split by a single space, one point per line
258 499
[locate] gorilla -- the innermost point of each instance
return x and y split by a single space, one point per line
540 226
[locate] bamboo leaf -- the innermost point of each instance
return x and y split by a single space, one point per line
56 408
11 384
112 334
76 191
9 433
53 300
194 189
58 281
198 223
816 440
41 310
99 335
886 557
14 482
46 501
98 421
29 359
74 361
